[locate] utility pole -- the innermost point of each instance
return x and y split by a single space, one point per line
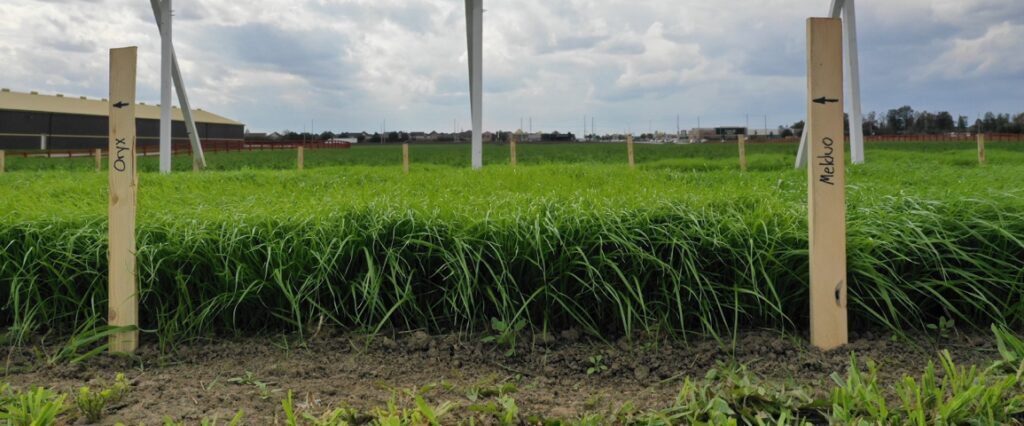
531 124
594 132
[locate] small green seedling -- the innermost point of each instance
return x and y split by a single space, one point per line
944 327
505 334
596 365
249 379
93 404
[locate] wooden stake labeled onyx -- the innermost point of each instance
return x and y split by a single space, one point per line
629 151
981 149
302 158
405 158
826 176
123 286
743 152
3 160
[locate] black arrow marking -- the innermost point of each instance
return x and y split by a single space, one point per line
823 100
120 104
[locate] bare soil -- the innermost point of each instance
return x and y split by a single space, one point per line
550 371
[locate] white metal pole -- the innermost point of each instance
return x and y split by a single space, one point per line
837 9
198 158
801 154
853 71
165 86
474 33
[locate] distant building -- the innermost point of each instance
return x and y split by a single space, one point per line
35 121
715 133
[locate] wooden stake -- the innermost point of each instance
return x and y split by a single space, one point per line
405 158
743 152
826 198
302 158
512 147
629 151
123 287
3 161
99 159
981 149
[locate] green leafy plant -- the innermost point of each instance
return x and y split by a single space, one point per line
93 404
597 365
249 379
944 327
505 334
36 407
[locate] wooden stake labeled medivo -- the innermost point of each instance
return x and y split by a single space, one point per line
826 198
301 158
512 147
981 149
742 141
629 151
123 286
405 158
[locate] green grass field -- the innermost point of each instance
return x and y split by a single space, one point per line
684 244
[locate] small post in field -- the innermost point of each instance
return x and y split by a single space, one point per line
512 147
302 158
123 286
981 149
629 151
826 199
98 154
743 152
405 158
3 161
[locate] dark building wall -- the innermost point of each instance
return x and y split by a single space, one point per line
148 131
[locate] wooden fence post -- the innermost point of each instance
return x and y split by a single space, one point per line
3 161
981 149
99 159
826 199
405 158
743 152
629 151
123 286
302 158
512 147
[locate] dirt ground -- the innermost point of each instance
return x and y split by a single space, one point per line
549 371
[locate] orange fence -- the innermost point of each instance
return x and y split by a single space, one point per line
964 137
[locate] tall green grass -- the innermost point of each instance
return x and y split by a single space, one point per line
684 245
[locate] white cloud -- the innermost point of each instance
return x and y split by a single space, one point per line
349 64
998 52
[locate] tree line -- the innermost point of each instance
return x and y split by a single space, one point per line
905 121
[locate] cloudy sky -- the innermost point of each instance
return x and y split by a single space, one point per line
631 64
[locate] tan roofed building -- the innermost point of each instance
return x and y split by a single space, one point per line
81 123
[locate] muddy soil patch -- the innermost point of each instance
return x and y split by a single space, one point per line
556 375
